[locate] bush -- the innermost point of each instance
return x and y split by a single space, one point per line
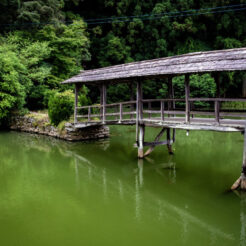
60 106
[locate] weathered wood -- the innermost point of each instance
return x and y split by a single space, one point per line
139 100
121 111
200 62
187 96
217 111
139 108
131 98
165 100
174 135
241 181
156 143
169 142
103 102
217 99
156 140
162 111
76 89
141 141
89 113
171 103
149 108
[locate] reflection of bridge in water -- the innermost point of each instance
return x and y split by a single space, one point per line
170 112
161 209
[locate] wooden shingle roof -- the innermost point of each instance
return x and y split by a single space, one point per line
198 62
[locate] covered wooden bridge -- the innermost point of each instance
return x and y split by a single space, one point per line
166 112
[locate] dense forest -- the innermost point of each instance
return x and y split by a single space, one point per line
43 42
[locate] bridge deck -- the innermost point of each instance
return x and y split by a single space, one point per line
164 115
227 125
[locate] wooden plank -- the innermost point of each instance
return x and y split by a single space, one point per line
103 101
76 102
149 108
139 108
169 142
217 111
156 140
170 94
224 60
162 111
141 141
89 113
187 96
120 112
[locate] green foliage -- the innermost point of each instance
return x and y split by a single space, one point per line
13 81
200 86
69 47
38 11
233 105
83 99
60 106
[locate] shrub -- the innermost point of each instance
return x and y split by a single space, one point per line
60 106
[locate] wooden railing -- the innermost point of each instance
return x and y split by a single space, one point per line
157 109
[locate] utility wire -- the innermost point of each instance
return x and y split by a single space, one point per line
164 13
121 19
168 16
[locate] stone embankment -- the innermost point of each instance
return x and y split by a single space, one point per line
39 124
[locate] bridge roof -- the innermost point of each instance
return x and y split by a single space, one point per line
198 62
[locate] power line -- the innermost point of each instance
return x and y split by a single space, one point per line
164 13
121 19
168 16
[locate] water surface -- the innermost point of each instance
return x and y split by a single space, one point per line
97 193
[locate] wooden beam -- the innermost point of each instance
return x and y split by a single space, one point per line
89 114
156 140
241 181
187 96
139 108
141 141
121 110
132 97
170 94
162 111
217 111
103 102
76 91
217 103
169 142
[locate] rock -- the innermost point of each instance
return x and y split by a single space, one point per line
70 133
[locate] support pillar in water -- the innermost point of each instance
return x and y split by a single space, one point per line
141 141
241 181
169 144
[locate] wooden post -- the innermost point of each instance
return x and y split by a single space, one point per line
120 113
139 108
171 104
139 100
132 97
103 99
76 90
217 103
187 96
149 108
162 110
141 141
169 146
174 135
89 114
217 111
241 181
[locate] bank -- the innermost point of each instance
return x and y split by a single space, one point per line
39 123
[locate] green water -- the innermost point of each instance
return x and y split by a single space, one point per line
98 193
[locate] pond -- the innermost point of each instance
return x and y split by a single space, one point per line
98 193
